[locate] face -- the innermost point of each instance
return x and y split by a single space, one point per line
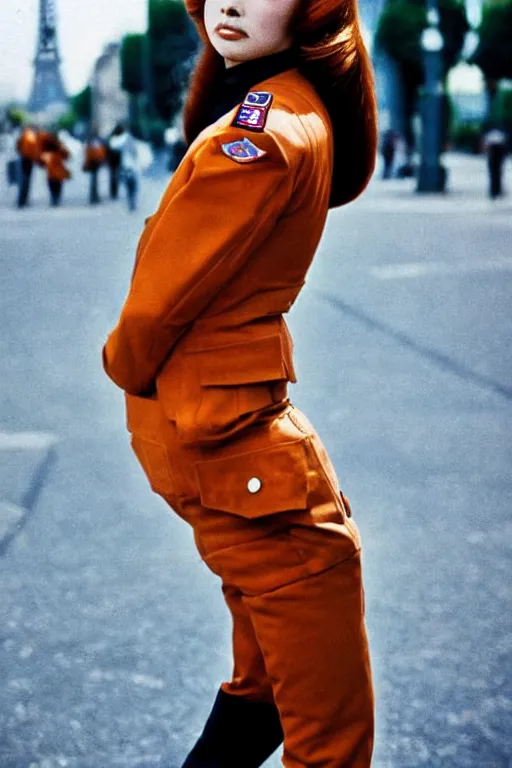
241 30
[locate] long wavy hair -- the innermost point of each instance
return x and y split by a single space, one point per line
333 57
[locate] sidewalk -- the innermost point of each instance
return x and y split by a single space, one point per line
25 460
466 190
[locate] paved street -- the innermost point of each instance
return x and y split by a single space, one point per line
113 634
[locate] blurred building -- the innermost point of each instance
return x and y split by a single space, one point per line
109 101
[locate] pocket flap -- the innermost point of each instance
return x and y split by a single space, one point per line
248 362
256 483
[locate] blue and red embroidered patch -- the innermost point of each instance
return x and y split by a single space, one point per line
252 114
243 151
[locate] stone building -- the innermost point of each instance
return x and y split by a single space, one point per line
109 101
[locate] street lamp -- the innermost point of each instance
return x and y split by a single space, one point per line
432 175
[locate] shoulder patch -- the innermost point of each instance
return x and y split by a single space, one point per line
243 151
252 114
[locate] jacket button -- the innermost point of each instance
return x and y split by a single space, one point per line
254 485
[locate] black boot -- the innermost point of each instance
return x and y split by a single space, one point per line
238 733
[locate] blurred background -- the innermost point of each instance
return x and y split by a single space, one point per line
113 634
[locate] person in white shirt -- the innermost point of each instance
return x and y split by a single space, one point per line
123 142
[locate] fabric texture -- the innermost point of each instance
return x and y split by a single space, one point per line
204 356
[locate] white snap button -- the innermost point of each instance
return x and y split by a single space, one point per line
254 485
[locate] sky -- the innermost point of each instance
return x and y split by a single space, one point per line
84 28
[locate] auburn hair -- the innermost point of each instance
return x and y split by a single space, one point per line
333 57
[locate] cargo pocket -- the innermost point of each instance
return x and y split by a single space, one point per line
256 483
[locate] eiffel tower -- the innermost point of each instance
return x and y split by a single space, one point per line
48 88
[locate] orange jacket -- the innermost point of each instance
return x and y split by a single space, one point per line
54 163
28 145
94 156
222 259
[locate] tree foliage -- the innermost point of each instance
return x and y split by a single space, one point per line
173 43
81 104
494 52
132 63
502 108
16 116
399 34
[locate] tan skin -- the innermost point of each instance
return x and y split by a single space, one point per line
241 30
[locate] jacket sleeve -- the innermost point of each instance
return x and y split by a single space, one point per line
202 239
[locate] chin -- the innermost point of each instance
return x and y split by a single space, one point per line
230 50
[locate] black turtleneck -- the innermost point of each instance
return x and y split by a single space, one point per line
239 79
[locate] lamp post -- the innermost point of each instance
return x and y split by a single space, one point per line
432 175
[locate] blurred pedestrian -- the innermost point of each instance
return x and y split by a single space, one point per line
29 152
495 146
124 143
95 155
388 151
114 163
53 155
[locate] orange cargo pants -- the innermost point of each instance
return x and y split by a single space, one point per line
268 518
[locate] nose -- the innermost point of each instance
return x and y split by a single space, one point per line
230 10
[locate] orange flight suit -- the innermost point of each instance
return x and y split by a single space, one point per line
204 355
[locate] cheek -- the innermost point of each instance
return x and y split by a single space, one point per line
271 27
210 16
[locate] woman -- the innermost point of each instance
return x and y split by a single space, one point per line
281 126
53 155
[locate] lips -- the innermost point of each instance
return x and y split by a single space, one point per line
228 32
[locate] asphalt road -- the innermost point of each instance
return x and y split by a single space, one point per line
113 634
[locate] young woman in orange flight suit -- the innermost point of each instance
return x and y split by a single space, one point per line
281 126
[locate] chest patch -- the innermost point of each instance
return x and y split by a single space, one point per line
252 114
243 151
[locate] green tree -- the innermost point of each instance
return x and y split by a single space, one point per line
132 63
172 43
399 33
81 104
133 79
16 116
502 110
399 36
494 52
68 121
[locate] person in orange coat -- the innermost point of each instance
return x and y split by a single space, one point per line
53 155
95 155
29 152
281 126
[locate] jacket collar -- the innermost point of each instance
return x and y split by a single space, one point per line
238 80
244 76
